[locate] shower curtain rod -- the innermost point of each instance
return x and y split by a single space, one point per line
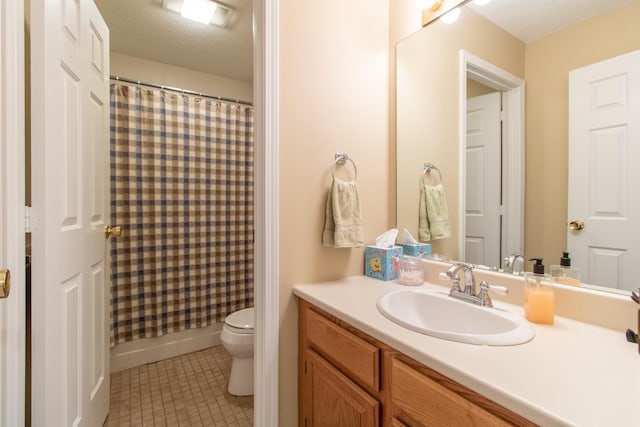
175 89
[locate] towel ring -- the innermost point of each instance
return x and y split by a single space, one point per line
341 160
428 167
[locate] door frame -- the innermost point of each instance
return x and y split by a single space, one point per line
266 226
12 211
513 165
266 275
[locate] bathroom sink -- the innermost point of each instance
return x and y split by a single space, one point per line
436 314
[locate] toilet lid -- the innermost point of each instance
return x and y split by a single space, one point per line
241 319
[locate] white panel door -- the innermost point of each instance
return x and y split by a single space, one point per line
483 175
604 150
12 242
70 158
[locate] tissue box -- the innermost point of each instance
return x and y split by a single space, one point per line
416 249
382 263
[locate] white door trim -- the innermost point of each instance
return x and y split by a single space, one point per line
513 159
266 278
266 209
12 249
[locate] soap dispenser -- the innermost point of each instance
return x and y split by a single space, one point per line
539 297
564 273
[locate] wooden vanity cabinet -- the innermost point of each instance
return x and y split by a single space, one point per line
420 396
338 373
347 378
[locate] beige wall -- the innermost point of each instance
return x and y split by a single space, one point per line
334 96
548 62
428 105
169 75
404 20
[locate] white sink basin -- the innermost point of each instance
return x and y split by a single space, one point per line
435 313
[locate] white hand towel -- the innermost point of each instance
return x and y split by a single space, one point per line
433 215
343 220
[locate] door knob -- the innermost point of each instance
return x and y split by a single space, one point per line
5 283
576 224
112 231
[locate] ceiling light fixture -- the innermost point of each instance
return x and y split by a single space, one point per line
451 16
203 11
198 10
481 2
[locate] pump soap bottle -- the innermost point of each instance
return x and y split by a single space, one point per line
539 297
564 273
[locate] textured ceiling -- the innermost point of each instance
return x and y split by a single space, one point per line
531 20
142 28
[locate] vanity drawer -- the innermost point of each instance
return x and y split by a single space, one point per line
417 400
356 357
423 400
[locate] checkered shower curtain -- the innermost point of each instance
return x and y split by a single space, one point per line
182 190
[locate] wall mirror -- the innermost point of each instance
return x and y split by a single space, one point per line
581 83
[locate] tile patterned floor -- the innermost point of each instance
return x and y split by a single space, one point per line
188 390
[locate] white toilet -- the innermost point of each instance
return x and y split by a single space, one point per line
237 339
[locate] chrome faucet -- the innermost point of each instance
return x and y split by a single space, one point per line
469 280
468 293
510 262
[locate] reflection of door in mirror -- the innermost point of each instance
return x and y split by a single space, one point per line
604 137
427 106
484 174
491 173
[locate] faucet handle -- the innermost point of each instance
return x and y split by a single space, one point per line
500 290
483 295
454 278
507 262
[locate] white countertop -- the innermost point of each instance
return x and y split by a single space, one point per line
571 373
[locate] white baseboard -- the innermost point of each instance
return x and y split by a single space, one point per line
148 350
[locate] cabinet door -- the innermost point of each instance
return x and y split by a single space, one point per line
419 401
331 399
360 359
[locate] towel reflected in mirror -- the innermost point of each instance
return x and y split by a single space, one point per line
433 216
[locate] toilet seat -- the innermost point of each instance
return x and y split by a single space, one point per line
241 321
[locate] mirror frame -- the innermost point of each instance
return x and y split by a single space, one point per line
513 161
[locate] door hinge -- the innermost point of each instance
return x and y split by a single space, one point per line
501 210
502 115
305 367
30 221
305 421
